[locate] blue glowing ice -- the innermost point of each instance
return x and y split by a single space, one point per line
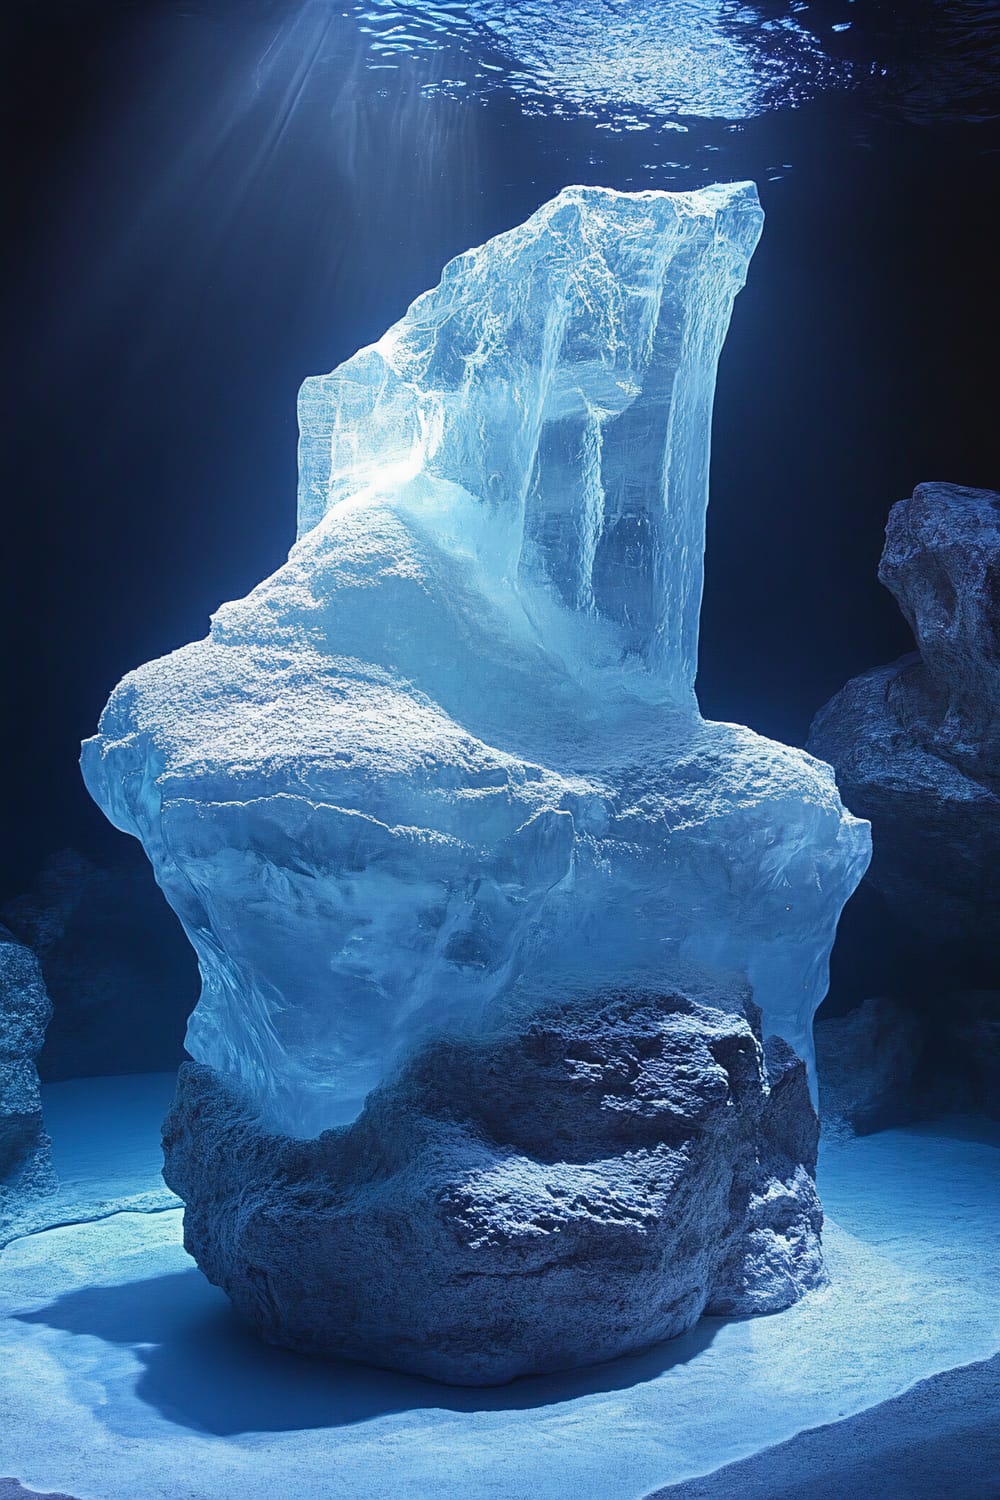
448 758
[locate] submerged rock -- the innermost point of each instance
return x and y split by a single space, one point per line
939 1440
973 1041
12 1489
890 1062
571 1188
916 745
26 1171
120 976
941 563
870 1067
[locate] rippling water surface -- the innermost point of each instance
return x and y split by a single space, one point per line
638 59
656 69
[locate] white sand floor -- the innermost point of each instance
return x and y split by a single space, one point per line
124 1375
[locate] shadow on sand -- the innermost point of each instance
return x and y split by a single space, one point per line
204 1370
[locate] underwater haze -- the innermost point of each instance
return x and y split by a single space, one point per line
213 200
593 1083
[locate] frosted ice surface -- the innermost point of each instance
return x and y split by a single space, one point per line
448 758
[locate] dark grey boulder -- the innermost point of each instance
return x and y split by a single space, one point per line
916 745
120 973
941 562
964 1053
940 1440
568 1189
26 1171
890 1062
870 1067
12 1489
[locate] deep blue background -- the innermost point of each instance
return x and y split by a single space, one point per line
194 230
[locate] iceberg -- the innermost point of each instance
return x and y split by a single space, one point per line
446 765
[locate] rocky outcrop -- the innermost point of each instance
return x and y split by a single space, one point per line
568 1189
890 1062
941 563
869 1065
973 1038
12 1489
26 1169
121 977
916 745
939 1438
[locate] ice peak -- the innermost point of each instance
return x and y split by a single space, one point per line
560 378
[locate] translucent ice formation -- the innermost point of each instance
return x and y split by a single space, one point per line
448 759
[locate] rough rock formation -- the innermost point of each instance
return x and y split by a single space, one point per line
26 1169
916 745
553 1194
971 1044
12 1489
120 975
870 1065
939 1440
891 1062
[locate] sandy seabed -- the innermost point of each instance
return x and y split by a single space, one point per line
125 1376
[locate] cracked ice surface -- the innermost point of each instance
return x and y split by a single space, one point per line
448 758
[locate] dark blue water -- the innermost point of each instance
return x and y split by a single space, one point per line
213 199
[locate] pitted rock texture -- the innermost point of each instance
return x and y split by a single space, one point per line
973 1040
942 565
569 1189
916 745
25 1149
